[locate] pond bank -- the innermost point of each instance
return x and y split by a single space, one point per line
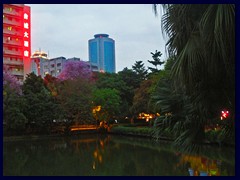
142 132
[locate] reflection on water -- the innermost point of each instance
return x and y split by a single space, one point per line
90 155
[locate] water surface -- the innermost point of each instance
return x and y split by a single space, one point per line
95 155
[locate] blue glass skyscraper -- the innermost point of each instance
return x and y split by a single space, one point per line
102 53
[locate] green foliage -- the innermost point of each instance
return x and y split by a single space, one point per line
140 70
109 100
118 82
139 131
13 118
39 107
203 70
142 97
75 99
156 61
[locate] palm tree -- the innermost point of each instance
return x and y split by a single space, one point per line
202 38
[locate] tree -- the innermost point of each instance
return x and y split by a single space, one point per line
75 69
40 108
13 118
75 99
140 71
10 80
142 98
204 69
50 82
115 81
156 61
109 102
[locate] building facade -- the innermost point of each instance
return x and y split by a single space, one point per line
102 53
17 39
42 65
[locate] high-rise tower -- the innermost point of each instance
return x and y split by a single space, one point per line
102 53
17 39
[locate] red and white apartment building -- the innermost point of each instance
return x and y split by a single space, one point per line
17 39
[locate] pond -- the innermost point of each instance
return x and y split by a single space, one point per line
111 155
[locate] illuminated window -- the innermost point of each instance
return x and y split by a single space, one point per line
3 16
10 9
9 28
59 70
16 39
9 38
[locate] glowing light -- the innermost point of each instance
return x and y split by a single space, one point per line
224 115
26 44
26 53
26 34
25 16
26 25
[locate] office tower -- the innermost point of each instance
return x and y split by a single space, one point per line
17 39
102 53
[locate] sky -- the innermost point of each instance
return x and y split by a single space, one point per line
64 30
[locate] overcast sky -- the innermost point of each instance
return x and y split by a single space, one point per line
64 30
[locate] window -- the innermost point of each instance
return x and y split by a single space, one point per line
10 9
59 70
9 28
46 66
52 65
58 64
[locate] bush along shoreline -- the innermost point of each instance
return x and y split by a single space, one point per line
212 137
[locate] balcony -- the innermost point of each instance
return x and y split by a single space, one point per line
8 62
12 42
16 53
13 22
14 33
17 73
14 13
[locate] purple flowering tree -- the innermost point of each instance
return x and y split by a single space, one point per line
75 69
10 81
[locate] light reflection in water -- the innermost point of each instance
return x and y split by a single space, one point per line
110 155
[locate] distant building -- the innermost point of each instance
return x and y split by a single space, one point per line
37 60
102 53
17 39
42 65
